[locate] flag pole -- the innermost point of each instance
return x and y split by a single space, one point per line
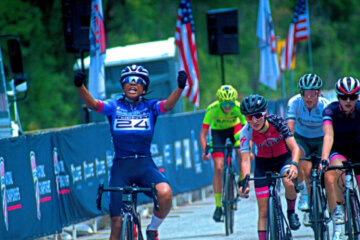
222 69
282 80
291 82
309 39
310 55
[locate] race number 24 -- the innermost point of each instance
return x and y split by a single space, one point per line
139 124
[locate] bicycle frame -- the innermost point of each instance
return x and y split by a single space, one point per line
276 219
130 215
318 202
229 200
352 204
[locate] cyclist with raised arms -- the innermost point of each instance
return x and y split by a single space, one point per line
276 151
341 141
132 120
304 118
225 120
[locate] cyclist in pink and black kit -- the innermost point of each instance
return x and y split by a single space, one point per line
341 141
276 151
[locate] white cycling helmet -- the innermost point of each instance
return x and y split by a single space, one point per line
138 71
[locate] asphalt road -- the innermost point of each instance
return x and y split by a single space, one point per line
194 222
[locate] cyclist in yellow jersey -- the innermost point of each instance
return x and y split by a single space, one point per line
225 120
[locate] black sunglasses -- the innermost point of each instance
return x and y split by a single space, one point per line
346 97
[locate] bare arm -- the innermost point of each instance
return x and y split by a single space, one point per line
291 124
328 140
245 163
176 94
87 98
295 155
203 134
172 99
245 170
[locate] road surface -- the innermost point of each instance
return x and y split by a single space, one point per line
194 222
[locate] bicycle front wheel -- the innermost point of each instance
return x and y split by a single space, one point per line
274 221
127 229
228 201
315 211
356 215
352 208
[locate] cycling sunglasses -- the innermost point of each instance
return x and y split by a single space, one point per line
346 97
227 104
257 116
138 80
309 93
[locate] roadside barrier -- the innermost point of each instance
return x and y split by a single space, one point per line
49 179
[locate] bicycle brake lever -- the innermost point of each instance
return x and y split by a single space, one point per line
99 195
207 148
324 163
244 183
155 199
156 204
297 187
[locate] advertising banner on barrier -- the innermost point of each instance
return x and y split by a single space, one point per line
176 151
28 193
50 180
82 158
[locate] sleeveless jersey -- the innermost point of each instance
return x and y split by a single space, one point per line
218 120
346 128
308 124
132 127
269 144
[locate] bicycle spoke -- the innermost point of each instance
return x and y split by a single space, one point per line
349 230
232 201
274 227
356 215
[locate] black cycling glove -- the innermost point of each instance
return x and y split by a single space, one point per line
79 79
181 79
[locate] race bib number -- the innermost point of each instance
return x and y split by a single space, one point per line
135 123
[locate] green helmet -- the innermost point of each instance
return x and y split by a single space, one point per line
310 82
226 93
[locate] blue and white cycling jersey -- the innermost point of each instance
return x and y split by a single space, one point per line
308 124
132 127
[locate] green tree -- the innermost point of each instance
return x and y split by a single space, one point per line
53 101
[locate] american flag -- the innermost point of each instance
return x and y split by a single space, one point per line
185 42
299 30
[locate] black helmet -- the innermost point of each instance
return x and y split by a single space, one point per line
138 71
253 104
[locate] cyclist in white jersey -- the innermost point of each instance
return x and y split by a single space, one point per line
304 118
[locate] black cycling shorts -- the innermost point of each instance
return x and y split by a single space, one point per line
262 165
125 172
218 137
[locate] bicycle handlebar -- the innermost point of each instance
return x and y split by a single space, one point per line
128 190
226 146
346 165
269 176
